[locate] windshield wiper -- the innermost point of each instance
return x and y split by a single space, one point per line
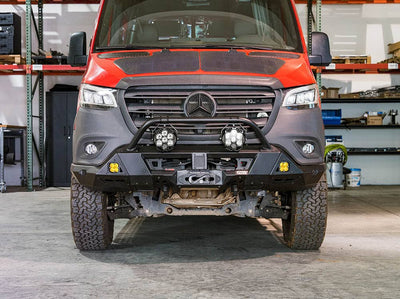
234 47
128 47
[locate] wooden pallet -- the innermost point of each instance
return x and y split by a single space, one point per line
391 60
12 59
353 95
351 59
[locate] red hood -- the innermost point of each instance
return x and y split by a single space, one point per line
291 69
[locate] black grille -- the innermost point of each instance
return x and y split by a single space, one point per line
147 103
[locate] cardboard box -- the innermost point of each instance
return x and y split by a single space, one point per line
374 120
394 49
333 93
329 93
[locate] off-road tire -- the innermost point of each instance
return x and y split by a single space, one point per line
91 227
305 227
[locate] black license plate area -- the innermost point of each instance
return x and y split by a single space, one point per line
199 178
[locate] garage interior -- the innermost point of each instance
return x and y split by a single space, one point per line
202 256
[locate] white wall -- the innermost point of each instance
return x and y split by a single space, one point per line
353 29
359 29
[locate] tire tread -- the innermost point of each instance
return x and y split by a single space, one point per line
305 230
91 228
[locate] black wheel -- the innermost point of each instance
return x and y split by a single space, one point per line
306 224
91 227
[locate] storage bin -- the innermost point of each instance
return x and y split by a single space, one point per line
332 116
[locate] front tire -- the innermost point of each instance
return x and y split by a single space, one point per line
91 227
306 225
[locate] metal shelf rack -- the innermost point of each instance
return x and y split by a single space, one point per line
360 100
362 126
30 70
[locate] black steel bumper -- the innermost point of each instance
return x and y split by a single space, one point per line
262 173
170 121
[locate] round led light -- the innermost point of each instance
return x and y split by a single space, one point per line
91 149
233 138
164 138
308 148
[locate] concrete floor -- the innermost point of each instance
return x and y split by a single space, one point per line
201 257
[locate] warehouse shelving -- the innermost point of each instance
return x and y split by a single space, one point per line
16 2
373 151
360 100
362 70
352 1
48 69
366 151
344 126
358 68
29 70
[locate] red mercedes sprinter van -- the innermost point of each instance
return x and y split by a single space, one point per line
198 107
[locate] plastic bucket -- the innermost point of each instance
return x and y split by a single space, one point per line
354 177
337 175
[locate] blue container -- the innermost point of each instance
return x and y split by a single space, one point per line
332 116
334 138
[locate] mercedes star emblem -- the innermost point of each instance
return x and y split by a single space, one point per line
200 104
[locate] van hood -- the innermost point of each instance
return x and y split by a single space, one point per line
289 69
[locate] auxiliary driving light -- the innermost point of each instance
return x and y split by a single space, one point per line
233 138
284 167
114 167
308 148
91 149
164 138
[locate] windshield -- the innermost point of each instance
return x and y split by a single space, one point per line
136 24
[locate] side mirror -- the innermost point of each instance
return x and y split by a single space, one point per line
320 50
77 49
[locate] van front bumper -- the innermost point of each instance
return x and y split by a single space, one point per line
261 171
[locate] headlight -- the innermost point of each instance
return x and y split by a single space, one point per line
93 96
302 97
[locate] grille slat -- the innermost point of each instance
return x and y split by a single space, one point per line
166 102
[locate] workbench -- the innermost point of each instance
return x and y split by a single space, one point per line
10 131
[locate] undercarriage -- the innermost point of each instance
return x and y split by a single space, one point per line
198 202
